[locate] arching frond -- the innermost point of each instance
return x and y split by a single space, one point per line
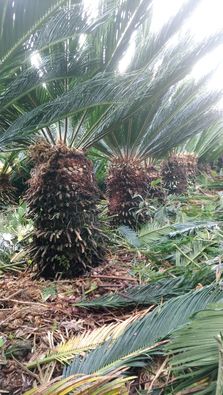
207 145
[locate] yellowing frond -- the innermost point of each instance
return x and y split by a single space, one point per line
84 385
82 343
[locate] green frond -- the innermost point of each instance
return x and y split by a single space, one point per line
207 145
133 346
192 251
152 293
20 19
195 363
55 65
173 109
156 232
164 106
153 232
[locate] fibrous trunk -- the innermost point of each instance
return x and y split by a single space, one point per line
127 186
62 198
177 171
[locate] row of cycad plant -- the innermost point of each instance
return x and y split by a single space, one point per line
63 198
79 85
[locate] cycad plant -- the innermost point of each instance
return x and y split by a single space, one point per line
182 166
177 171
127 185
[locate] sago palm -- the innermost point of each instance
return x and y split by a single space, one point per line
182 165
178 170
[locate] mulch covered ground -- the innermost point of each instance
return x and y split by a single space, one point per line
37 314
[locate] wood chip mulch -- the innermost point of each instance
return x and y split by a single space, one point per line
30 324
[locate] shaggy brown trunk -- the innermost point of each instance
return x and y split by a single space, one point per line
177 171
174 176
7 191
62 198
127 185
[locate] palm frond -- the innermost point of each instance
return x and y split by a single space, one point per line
195 363
153 232
156 232
152 293
20 19
55 64
192 252
207 145
130 93
133 346
192 227
70 21
53 68
174 108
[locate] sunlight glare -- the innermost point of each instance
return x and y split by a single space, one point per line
212 62
36 60
127 57
92 8
163 11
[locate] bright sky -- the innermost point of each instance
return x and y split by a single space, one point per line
206 19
